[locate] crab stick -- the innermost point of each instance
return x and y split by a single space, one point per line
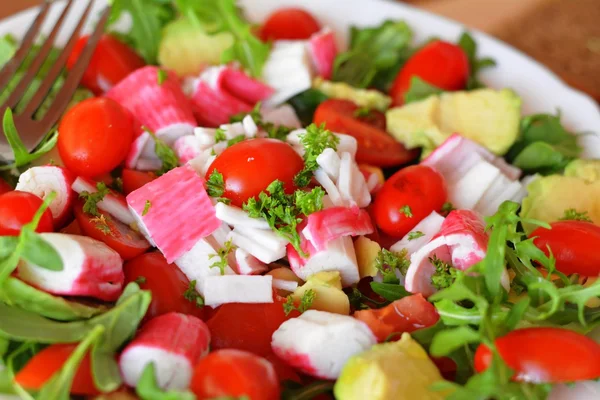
113 203
332 223
288 70
223 289
323 51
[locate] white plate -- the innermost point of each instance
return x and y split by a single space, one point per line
541 90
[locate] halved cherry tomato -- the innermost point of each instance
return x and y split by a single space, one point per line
407 197
375 146
112 61
116 235
72 229
234 373
250 166
541 355
4 187
283 370
289 24
574 245
17 209
247 327
439 63
405 315
95 136
49 361
133 180
166 282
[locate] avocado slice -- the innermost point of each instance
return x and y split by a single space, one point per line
369 98
329 296
588 170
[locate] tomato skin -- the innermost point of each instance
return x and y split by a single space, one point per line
48 361
438 63
4 187
574 244
133 180
289 24
112 61
250 166
529 353
95 136
420 187
165 281
17 209
234 373
122 239
375 146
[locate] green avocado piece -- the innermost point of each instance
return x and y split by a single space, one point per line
368 98
399 370
186 48
548 198
588 170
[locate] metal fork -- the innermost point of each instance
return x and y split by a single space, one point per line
32 131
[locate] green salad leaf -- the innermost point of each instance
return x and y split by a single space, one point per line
306 103
420 90
468 44
148 389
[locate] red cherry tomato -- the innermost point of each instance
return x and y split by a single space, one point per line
234 373
133 180
4 187
283 370
250 166
48 361
290 24
95 136
112 61
17 209
375 146
166 282
439 63
247 326
529 353
574 244
121 238
407 197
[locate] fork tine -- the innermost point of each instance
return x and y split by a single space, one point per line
37 63
72 82
11 66
56 69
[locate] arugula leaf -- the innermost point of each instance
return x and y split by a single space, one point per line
166 154
315 140
8 48
306 103
420 90
468 44
390 291
92 199
295 391
572 214
222 254
192 295
305 302
147 388
373 52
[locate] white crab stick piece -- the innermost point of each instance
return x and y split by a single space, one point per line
44 180
247 264
342 179
319 343
581 390
467 192
428 226
90 268
175 211
223 289
174 343
282 115
235 216
113 203
332 223
187 148
288 70
263 244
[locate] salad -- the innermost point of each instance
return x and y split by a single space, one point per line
232 211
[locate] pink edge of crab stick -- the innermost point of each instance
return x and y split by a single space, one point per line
113 203
319 343
174 342
247 264
323 51
187 148
240 85
178 214
90 269
44 180
332 223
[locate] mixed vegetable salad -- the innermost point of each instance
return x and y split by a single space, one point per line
232 211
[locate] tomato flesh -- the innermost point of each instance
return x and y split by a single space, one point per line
529 352
17 209
95 136
375 146
250 166
407 197
289 24
133 180
4 187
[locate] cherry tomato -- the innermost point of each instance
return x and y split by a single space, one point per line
116 235
290 24
234 373
17 209
439 63
574 244
112 61
374 118
283 370
133 180
407 197
375 146
4 187
166 282
95 136
405 315
48 361
250 166
529 352
247 327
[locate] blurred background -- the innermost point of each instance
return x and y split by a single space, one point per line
563 34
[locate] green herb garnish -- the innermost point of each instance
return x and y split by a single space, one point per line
415 235
305 302
92 199
192 295
407 211
315 140
222 254
573 215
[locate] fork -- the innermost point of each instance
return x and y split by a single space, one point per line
31 130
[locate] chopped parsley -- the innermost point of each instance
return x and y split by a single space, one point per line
309 202
315 140
166 154
447 207
140 280
406 210
305 302
387 262
101 223
222 253
573 215
237 139
92 199
444 275
118 184
273 131
220 135
161 76
415 235
147 206
215 186
192 295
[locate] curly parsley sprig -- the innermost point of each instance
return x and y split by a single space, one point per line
315 140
